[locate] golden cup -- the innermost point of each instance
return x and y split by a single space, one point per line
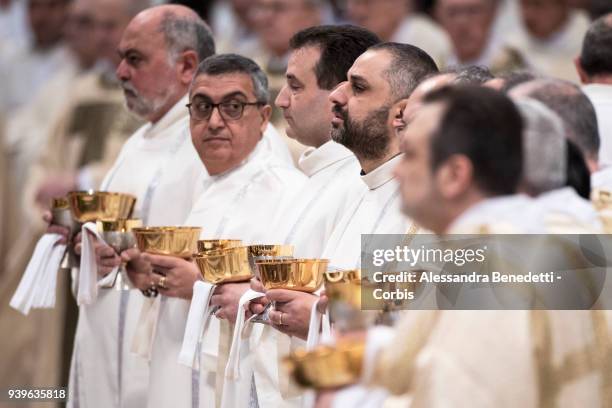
275 250
225 265
327 366
343 288
305 275
89 206
61 215
207 245
119 236
172 241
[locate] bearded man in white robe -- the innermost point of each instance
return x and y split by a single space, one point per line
160 51
476 357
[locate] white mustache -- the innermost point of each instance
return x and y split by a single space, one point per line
127 86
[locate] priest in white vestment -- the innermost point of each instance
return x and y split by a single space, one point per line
361 122
550 37
545 171
26 67
475 358
595 71
307 221
153 165
244 187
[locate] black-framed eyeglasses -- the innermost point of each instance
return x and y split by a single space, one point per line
230 110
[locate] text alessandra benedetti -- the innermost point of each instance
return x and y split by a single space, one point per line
470 277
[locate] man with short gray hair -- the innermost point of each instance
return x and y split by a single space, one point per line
246 184
545 169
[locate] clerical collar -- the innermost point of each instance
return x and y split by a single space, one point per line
313 160
382 174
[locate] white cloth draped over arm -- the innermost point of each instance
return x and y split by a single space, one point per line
197 320
319 329
88 274
38 284
232 370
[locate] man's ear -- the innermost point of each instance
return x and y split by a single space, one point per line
266 112
187 66
455 176
584 78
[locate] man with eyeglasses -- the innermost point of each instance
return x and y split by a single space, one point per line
244 188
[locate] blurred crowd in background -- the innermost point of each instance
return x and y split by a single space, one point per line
62 114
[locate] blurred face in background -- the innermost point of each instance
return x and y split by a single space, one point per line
382 17
275 21
468 23
112 16
242 8
47 19
79 32
543 18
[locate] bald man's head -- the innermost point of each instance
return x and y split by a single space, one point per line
160 51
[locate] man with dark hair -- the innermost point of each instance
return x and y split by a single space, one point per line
379 78
319 60
457 132
243 189
594 66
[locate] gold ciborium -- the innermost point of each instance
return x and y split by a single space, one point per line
61 215
344 289
88 206
207 245
180 242
326 366
268 252
119 236
304 275
229 265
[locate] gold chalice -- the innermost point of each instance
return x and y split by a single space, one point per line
229 265
89 206
119 236
207 245
343 288
268 252
61 215
180 242
326 366
304 275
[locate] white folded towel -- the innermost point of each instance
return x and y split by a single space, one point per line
38 284
88 273
232 370
197 321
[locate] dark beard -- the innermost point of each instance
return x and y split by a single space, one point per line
368 139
